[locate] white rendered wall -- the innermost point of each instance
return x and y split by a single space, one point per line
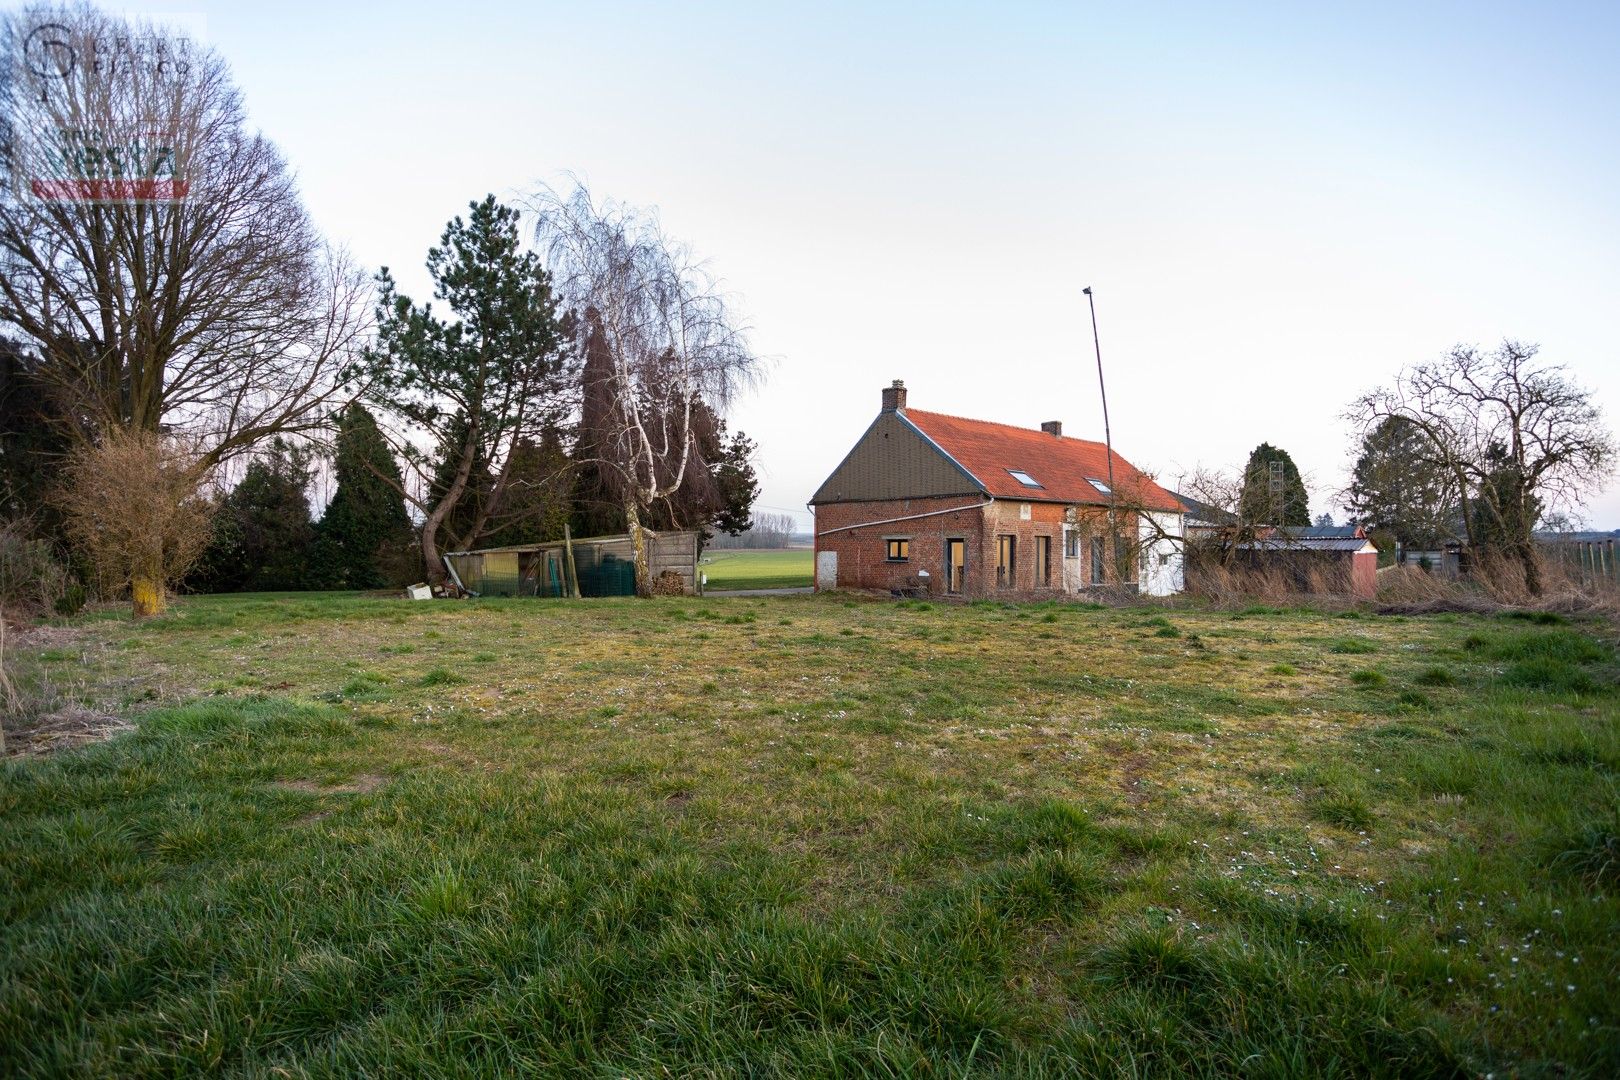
1160 571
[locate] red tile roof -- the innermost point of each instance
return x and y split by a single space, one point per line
1062 466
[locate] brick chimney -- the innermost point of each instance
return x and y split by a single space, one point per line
1053 427
894 397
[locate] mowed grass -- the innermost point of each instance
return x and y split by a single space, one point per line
789 568
816 836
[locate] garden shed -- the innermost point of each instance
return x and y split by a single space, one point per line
591 566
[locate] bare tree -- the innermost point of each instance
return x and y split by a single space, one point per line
132 505
153 250
1519 438
672 348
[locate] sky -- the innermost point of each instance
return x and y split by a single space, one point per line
1278 207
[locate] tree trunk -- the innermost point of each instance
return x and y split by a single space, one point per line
432 561
146 587
638 541
1532 567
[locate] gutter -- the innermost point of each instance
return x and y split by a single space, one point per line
908 517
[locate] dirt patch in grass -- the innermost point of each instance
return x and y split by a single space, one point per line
1133 770
63 729
363 784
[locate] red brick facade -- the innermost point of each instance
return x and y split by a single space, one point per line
889 516
859 534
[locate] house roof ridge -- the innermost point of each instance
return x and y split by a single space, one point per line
1011 427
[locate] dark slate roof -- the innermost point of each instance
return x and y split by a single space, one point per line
1203 511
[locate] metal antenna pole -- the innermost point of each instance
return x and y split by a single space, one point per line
1108 435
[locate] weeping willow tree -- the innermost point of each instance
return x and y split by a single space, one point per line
666 354
155 257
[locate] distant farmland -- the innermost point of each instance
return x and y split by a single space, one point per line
779 569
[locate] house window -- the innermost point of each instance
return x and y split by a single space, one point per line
1006 560
1071 543
1098 558
1024 478
1025 512
1099 485
1043 560
899 548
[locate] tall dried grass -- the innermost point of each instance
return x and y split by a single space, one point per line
1492 584
1226 587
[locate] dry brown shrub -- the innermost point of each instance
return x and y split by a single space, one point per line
134 507
32 576
1494 584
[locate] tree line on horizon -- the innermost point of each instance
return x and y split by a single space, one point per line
167 328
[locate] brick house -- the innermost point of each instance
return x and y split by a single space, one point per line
951 506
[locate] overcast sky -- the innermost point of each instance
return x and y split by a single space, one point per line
1277 208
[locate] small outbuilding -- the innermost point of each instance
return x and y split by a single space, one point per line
1332 559
592 566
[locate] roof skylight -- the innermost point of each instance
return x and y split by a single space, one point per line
1024 478
1099 485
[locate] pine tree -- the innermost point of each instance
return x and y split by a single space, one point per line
456 531
738 485
1261 505
1398 488
536 505
495 366
263 532
365 528
598 509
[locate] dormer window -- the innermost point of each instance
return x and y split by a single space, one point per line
1099 485
1024 478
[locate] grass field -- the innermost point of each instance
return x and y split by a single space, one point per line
815 836
786 569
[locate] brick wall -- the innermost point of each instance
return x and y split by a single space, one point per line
862 551
1045 519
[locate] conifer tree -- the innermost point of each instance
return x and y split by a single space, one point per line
365 527
1263 506
263 531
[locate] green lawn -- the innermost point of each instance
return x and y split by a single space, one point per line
814 835
786 569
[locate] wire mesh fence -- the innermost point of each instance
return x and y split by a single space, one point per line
599 566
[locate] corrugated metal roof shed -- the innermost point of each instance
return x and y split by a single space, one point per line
1309 543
